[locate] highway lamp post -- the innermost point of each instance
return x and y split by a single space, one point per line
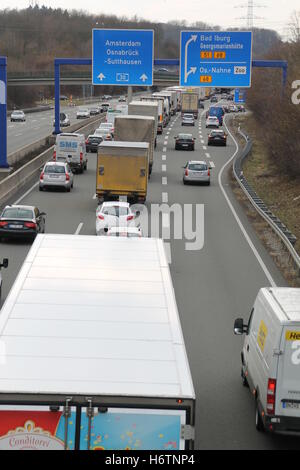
3 113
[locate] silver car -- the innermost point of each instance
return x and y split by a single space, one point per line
114 214
196 172
18 115
83 113
56 174
188 120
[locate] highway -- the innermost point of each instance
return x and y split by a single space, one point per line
213 286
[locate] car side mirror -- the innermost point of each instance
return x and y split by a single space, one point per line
43 213
210 167
239 327
4 263
138 213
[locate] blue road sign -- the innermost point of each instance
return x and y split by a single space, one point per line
215 59
239 96
123 57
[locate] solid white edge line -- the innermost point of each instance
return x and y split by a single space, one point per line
78 228
248 239
165 198
25 194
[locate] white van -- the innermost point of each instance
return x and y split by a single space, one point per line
70 148
271 358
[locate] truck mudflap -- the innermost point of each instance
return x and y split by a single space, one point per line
111 196
93 427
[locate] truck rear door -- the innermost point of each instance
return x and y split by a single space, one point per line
131 429
288 377
37 427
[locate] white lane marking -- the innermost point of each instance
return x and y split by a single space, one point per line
202 141
168 252
248 239
165 142
25 194
164 168
95 196
207 155
164 149
165 198
204 147
164 157
164 180
17 135
78 228
212 164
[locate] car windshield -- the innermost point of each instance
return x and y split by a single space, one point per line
217 133
117 211
84 110
185 136
197 166
17 213
54 169
95 139
18 112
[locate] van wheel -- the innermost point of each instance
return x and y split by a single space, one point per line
258 420
244 380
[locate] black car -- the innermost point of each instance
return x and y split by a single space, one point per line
21 222
200 104
92 142
214 99
104 107
184 141
94 111
217 137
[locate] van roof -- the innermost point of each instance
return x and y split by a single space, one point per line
288 302
70 134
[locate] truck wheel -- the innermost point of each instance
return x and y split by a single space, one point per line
258 420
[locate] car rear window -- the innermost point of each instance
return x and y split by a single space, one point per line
185 136
197 167
17 213
54 169
115 210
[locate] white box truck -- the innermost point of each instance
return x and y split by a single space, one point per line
92 353
160 111
145 108
271 358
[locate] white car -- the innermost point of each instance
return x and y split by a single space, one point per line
212 121
129 232
18 115
114 214
104 133
108 126
83 113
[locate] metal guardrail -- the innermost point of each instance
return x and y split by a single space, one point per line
287 238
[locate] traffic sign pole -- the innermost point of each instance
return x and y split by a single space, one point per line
3 112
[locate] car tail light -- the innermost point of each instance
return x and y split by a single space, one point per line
87 141
271 396
54 155
130 217
208 172
2 224
101 217
81 156
30 224
186 172
67 177
42 176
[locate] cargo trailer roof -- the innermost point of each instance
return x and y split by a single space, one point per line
288 301
116 143
93 315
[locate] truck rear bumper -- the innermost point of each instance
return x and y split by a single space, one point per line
282 425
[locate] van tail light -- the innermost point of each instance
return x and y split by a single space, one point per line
67 177
42 176
130 217
208 172
30 224
101 217
3 224
271 396
81 156
186 172
54 155
87 141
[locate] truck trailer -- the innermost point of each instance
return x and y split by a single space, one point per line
92 351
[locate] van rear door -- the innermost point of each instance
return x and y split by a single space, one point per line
288 377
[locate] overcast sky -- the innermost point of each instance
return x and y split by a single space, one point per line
221 12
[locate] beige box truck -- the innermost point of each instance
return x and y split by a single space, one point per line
145 108
133 128
122 170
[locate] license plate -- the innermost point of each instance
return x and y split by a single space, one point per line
291 406
184 145
15 226
54 176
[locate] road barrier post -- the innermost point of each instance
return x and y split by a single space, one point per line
3 111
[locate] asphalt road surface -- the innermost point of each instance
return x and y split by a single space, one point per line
213 285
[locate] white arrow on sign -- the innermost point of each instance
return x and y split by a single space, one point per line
193 38
101 76
143 77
